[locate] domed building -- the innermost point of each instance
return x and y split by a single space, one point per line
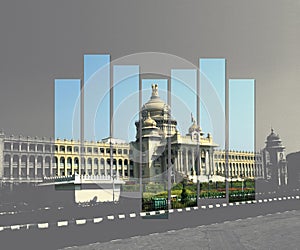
150 150
275 160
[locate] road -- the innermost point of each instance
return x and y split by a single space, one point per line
275 231
86 230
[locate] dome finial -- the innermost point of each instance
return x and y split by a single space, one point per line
192 118
154 90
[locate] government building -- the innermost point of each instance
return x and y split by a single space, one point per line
194 155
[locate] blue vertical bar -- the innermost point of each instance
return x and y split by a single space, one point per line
67 108
126 97
242 114
184 97
212 96
96 96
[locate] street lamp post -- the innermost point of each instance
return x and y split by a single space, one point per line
198 168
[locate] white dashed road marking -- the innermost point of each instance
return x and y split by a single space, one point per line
97 220
62 223
15 227
132 215
121 216
80 221
43 225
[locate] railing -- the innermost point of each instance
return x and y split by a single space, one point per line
76 177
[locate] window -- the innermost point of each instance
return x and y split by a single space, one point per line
40 148
31 147
119 151
7 146
47 148
69 149
16 146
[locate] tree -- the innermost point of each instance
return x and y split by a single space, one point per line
184 195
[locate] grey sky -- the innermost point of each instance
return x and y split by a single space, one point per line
42 40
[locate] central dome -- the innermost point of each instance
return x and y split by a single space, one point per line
156 107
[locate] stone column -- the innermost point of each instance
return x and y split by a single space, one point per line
11 166
122 166
99 169
105 167
43 165
51 165
212 162
20 166
193 162
178 166
79 165
27 167
35 166
187 162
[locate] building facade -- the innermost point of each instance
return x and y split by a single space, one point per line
26 159
193 155
240 164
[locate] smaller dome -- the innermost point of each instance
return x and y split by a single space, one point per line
273 140
194 127
149 122
272 136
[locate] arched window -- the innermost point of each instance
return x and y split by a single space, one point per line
62 162
69 162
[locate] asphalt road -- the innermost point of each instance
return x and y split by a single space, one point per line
74 233
276 231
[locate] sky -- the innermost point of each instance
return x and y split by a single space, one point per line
46 40
241 114
183 102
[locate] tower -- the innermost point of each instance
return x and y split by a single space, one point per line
275 160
